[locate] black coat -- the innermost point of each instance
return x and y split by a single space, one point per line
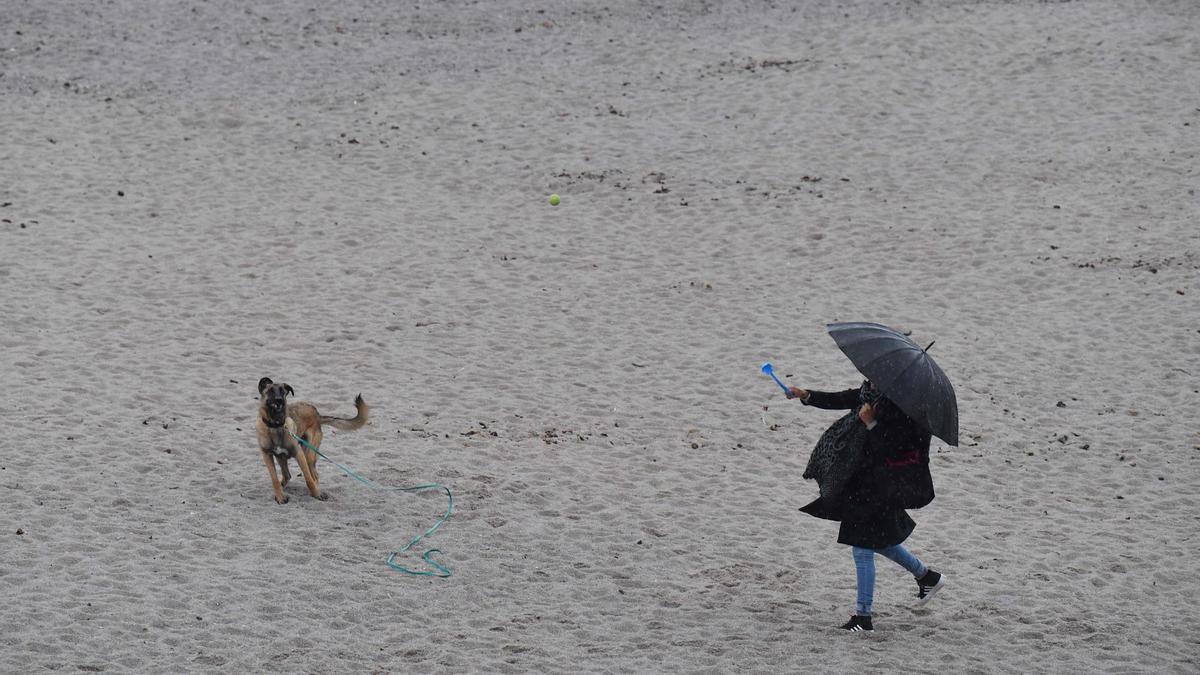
894 471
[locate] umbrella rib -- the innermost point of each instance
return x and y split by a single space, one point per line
888 338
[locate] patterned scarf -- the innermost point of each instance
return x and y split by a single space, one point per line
840 451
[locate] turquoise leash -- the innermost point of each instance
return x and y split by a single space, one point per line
391 559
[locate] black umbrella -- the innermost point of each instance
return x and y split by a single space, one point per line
904 372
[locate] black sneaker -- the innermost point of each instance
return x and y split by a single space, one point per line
927 585
859 623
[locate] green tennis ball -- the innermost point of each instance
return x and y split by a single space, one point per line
554 200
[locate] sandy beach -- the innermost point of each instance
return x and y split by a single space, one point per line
353 198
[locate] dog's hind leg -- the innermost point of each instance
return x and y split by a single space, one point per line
283 469
310 478
280 498
315 442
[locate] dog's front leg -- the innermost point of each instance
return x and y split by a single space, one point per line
310 478
280 498
283 469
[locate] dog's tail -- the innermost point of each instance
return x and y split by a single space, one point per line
350 423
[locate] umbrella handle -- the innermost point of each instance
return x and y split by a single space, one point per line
770 370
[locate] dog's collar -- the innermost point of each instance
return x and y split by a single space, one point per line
273 425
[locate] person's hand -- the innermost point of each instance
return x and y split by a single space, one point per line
797 392
867 413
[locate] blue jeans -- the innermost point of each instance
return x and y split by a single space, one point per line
864 563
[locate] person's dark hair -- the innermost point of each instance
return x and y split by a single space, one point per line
869 393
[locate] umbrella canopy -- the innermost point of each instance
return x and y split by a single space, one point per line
904 372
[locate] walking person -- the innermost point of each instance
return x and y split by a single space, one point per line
873 463
885 463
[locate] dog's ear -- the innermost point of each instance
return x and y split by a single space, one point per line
263 384
289 389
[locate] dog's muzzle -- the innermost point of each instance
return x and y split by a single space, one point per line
276 411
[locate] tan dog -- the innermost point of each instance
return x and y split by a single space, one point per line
278 420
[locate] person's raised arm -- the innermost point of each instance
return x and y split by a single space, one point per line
842 400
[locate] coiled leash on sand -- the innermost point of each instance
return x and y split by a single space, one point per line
391 559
